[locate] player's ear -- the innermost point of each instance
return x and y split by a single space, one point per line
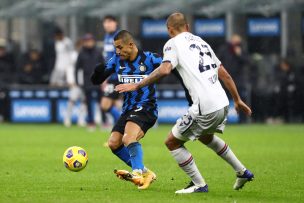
187 27
131 44
170 31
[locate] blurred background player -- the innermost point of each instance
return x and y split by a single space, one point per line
76 93
87 59
110 97
234 57
7 64
63 58
7 70
139 109
31 68
284 94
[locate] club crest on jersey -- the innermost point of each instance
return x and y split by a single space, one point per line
142 68
131 78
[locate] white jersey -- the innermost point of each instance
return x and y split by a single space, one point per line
70 71
64 50
198 66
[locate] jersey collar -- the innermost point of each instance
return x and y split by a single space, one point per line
139 53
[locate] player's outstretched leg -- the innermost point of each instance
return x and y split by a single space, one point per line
223 150
117 147
122 152
186 162
140 176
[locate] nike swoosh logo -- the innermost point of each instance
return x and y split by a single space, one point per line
132 115
140 108
122 67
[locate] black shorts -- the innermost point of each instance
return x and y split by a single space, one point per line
145 119
109 90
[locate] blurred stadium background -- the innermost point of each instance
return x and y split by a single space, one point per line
268 66
260 42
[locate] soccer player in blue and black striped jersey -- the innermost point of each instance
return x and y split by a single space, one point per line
109 96
139 108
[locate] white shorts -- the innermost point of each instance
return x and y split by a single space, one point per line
191 127
58 77
76 93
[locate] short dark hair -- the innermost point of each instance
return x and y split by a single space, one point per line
176 20
58 30
109 17
124 35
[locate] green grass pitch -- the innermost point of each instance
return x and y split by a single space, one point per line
32 170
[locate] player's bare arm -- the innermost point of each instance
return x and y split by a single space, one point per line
163 70
230 85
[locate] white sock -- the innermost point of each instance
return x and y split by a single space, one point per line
138 171
222 149
69 110
82 114
186 162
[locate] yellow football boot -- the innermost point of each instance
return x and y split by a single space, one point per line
134 177
149 177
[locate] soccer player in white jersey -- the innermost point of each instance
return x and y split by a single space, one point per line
200 70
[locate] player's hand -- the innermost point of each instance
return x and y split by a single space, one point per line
126 87
103 85
241 106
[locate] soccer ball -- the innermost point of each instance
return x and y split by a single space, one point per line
75 158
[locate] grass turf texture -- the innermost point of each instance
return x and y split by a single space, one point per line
32 169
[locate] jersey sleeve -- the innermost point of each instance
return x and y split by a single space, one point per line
111 64
214 57
102 72
170 54
156 60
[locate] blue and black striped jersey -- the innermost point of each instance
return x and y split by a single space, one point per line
108 45
133 72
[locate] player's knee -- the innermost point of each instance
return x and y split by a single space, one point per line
113 143
106 104
167 143
105 108
171 143
128 139
206 139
